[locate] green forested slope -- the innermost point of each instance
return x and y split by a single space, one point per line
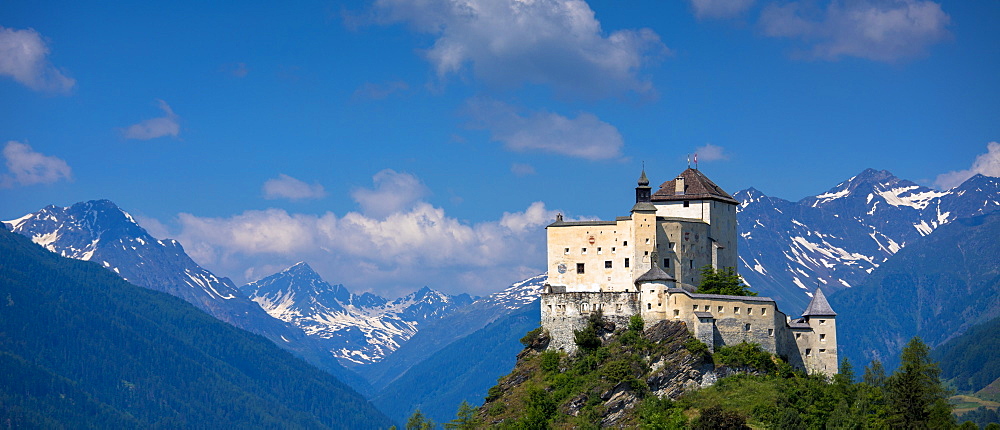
972 361
80 347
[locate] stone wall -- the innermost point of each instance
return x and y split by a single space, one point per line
563 313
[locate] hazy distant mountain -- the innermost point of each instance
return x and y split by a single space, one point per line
101 232
356 329
438 334
82 348
836 239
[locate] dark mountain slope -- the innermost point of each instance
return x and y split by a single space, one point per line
101 232
971 361
463 370
937 287
82 347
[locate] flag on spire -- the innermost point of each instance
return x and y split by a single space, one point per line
695 161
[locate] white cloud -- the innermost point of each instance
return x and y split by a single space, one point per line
880 30
987 164
392 255
287 187
521 169
393 192
372 91
24 57
719 8
709 152
585 136
27 167
152 128
513 42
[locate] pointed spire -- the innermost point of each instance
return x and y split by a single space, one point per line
819 306
643 181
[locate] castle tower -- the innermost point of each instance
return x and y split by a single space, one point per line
653 286
707 238
820 355
644 228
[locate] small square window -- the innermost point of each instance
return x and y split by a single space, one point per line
607 264
583 251
746 327
720 310
687 203
798 335
822 337
696 308
579 268
666 263
599 250
566 251
649 306
770 332
691 263
647 253
625 243
822 322
626 262
749 311
763 311
808 352
822 351
677 313
647 241
612 250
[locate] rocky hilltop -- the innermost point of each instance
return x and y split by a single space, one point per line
604 385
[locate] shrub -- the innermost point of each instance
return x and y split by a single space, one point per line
550 361
749 355
636 323
695 346
531 337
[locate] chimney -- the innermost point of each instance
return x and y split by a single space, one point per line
679 188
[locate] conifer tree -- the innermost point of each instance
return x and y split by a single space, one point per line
916 397
465 418
418 421
724 281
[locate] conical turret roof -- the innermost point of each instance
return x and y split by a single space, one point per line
819 306
654 274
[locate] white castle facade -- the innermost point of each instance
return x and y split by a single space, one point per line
649 263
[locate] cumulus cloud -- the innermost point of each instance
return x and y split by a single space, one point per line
584 136
709 152
392 255
287 187
513 42
27 167
373 91
987 164
166 125
719 8
392 192
880 30
24 57
521 169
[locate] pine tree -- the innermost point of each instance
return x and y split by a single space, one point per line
916 397
725 282
465 418
418 421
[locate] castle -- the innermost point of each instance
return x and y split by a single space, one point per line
649 264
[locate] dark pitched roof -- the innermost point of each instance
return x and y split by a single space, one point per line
818 306
654 274
703 315
696 187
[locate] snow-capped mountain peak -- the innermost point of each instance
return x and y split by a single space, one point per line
835 239
356 329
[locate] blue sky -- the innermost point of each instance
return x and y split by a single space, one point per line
399 143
